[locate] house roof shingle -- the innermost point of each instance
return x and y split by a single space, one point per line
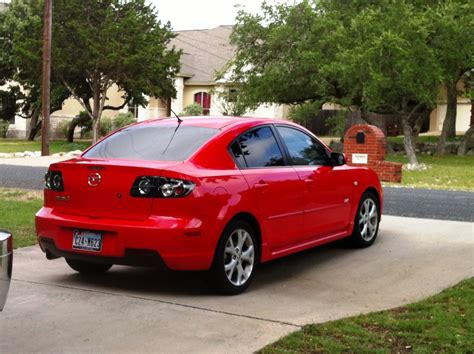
205 52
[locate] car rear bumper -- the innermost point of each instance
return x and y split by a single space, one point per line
6 265
177 243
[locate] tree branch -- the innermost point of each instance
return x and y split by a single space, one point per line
79 99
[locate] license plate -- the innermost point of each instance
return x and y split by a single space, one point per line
87 240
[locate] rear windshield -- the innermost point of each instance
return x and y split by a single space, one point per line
152 142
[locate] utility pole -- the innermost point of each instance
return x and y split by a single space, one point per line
45 130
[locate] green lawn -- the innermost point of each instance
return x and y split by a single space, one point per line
443 323
444 172
17 145
17 214
423 139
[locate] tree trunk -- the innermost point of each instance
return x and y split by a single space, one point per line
449 124
95 130
35 124
80 119
466 140
409 141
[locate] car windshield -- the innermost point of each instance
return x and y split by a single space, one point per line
152 142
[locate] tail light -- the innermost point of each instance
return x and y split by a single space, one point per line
160 187
54 180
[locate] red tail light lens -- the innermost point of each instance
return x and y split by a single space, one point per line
160 187
53 180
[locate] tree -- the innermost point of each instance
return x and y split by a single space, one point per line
453 25
469 135
358 54
20 61
97 44
391 66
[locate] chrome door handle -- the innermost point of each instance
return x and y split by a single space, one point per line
260 185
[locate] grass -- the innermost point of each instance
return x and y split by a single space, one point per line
443 323
423 139
17 145
17 214
444 172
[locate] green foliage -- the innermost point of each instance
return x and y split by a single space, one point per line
304 112
337 123
21 58
121 42
63 127
194 109
3 128
122 120
231 102
378 56
106 126
95 44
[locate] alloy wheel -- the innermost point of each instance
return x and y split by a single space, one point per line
368 219
239 257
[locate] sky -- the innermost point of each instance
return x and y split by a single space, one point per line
202 14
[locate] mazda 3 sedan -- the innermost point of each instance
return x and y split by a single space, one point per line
222 194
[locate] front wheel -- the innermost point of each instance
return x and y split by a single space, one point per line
87 267
236 258
367 221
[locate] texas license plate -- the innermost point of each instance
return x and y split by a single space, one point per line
87 240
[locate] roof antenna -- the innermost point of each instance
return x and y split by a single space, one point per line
177 117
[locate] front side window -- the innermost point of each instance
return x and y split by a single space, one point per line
152 142
303 149
260 149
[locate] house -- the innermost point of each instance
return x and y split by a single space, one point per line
205 53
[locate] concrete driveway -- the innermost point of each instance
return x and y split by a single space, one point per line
53 309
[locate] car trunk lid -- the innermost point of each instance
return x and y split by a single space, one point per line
101 188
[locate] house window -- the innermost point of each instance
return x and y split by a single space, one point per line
204 100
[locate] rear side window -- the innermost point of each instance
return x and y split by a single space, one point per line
153 142
303 149
260 149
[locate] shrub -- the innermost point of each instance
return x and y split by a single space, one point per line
193 109
122 120
4 128
106 126
62 128
305 112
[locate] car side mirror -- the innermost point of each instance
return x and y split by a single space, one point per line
338 159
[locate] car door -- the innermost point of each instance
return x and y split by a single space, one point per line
328 188
276 187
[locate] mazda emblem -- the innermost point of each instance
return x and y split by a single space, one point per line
94 179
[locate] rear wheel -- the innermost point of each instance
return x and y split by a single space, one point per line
236 258
87 267
367 221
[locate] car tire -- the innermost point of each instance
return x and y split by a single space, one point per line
236 258
88 267
367 219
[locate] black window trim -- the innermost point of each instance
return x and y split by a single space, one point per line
289 160
278 140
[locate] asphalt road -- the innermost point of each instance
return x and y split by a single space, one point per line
410 202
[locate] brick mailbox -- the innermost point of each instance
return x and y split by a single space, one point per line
364 145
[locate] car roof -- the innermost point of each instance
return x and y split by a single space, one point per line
216 122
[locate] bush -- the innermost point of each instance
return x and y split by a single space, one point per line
305 112
193 109
106 126
122 120
62 128
4 128
337 123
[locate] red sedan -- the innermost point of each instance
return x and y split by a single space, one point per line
219 194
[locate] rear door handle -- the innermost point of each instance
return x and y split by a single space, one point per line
260 185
